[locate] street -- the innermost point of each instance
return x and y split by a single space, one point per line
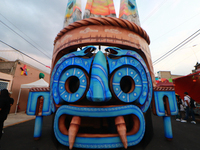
20 136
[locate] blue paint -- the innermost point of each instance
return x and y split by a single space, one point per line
129 64
32 103
62 70
132 5
99 90
134 74
67 95
167 127
56 70
158 96
136 61
103 142
38 126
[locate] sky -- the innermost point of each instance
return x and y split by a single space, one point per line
32 25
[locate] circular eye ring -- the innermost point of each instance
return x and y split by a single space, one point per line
61 92
68 91
135 89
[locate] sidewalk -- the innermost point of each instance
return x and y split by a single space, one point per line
17 118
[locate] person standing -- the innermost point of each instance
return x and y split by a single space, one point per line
181 112
188 109
11 100
192 106
4 108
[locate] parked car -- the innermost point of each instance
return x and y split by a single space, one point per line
197 109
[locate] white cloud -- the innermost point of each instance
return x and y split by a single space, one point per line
42 21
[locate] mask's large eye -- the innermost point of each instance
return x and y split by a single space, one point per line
130 78
126 83
71 85
69 78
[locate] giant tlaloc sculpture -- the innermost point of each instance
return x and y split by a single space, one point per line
102 81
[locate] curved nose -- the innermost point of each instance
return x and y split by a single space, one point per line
99 90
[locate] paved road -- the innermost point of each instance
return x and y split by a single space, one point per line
20 136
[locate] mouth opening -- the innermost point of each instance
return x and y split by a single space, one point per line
99 127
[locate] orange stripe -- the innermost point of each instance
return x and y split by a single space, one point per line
76 7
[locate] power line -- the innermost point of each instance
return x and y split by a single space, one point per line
24 38
156 9
177 47
174 50
22 31
174 28
24 54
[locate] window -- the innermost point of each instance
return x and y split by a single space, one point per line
3 85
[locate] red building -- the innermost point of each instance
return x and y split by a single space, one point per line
189 83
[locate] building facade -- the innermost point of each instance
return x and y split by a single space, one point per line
166 75
15 73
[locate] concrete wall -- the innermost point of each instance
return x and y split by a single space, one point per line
8 67
164 74
7 78
167 75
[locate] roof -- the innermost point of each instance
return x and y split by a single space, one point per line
192 74
106 21
38 83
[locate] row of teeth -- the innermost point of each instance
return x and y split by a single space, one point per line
75 124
